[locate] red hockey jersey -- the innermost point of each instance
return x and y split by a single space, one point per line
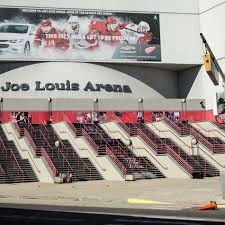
98 31
53 39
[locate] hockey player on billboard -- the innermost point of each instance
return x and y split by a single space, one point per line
50 37
138 35
76 38
107 31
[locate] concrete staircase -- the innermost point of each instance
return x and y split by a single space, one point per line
213 162
18 169
103 164
27 152
164 163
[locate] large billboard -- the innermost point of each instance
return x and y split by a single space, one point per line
78 35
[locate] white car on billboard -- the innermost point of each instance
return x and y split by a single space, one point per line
16 38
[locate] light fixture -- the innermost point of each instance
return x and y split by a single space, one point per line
194 141
49 100
95 100
140 100
183 100
57 144
128 142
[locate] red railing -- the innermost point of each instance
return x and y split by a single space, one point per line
215 148
40 151
3 174
131 130
60 153
30 140
158 148
90 140
166 131
81 164
164 148
68 122
211 130
45 155
138 159
18 129
182 130
11 156
119 165
181 161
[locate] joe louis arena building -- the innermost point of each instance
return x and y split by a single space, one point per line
124 80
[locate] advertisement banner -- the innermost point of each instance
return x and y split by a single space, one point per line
78 35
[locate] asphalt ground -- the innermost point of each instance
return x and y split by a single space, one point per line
49 214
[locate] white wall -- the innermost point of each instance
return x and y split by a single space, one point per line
205 5
179 22
212 19
171 6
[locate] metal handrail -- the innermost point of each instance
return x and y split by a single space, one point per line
18 129
205 137
139 148
121 167
1 169
223 166
77 156
93 156
97 132
177 128
68 122
168 149
210 130
164 131
107 145
135 148
15 161
15 138
30 139
48 160
190 146
88 137
182 162
115 131
59 151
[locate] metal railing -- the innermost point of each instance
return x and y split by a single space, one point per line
205 152
119 165
90 140
68 122
68 152
211 130
3 174
45 155
138 160
136 148
9 154
215 147
59 153
177 157
166 131
182 130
